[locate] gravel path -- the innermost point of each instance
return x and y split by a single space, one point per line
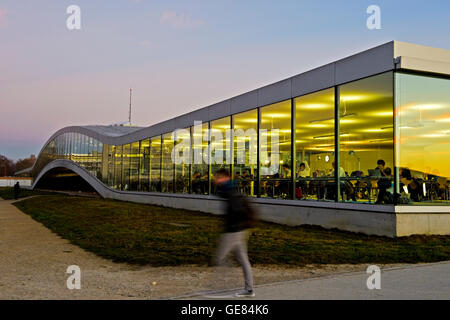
33 264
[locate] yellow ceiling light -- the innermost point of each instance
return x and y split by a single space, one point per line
347 121
381 114
248 120
276 115
372 130
427 107
433 135
355 97
319 125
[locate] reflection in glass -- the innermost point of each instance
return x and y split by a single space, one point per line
245 128
126 167
314 145
220 147
144 167
183 160
167 163
200 159
135 158
423 136
155 164
118 168
366 141
275 152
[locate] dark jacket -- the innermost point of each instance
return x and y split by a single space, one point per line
237 215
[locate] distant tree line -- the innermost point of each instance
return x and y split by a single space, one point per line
8 167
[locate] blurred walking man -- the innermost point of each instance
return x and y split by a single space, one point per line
238 219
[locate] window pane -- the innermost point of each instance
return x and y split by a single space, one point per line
200 156
155 164
183 160
245 127
111 166
118 168
99 159
167 163
126 167
134 166
314 145
144 168
104 165
423 135
366 128
275 153
220 147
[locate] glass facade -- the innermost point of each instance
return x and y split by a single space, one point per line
220 147
200 159
366 118
384 139
314 145
155 164
144 165
275 165
182 154
423 139
135 160
245 159
167 169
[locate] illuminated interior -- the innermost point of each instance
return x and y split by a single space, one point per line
200 159
220 147
366 126
167 169
275 150
117 168
182 169
155 164
245 167
135 160
423 137
144 165
314 144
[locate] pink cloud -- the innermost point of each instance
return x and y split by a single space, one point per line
144 43
179 20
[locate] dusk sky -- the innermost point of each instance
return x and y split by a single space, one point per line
205 51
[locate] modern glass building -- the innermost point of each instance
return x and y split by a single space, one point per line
361 144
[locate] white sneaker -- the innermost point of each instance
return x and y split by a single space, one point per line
245 294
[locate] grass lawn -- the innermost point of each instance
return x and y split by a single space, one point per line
145 234
7 193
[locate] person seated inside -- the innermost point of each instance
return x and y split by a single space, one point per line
384 182
304 170
245 182
196 183
330 186
301 185
410 185
282 186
